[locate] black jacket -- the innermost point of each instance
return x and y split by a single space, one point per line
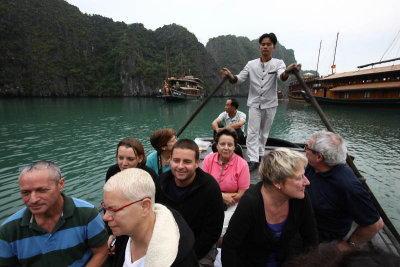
201 206
248 240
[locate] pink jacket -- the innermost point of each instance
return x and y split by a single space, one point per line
233 177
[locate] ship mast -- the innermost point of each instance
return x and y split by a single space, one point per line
334 56
319 52
181 66
166 61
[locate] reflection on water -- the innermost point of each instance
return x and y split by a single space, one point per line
81 134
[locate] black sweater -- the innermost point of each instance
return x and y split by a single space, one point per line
201 206
249 241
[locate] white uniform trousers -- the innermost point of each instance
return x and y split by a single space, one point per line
260 122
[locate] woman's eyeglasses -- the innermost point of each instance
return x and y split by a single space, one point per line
113 211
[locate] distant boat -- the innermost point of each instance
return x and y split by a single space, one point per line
379 85
296 93
370 86
184 88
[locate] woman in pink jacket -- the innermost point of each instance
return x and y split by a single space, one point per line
229 169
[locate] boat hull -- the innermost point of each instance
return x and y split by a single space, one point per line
182 97
382 101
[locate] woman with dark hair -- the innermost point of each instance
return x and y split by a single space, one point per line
229 169
273 215
162 140
130 154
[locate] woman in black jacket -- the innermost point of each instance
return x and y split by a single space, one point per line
274 218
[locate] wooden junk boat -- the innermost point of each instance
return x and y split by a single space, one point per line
379 85
185 88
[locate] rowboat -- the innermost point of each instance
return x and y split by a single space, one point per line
387 239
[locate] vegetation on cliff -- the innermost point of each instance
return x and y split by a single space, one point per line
49 48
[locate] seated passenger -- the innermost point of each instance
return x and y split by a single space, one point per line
271 214
233 118
229 170
148 234
196 195
162 140
53 229
337 195
130 154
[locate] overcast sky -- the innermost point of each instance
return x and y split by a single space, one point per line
366 28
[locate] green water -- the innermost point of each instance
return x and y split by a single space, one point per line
80 134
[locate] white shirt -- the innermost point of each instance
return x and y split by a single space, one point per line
263 82
128 257
224 117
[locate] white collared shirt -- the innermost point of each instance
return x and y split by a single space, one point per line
263 82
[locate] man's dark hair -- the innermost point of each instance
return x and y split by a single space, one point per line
234 103
270 35
187 144
229 131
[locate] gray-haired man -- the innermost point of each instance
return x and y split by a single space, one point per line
337 196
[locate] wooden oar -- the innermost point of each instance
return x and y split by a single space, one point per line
200 107
349 161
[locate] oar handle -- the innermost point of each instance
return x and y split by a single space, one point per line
201 106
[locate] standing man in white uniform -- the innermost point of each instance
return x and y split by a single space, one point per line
262 101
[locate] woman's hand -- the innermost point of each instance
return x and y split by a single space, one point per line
228 198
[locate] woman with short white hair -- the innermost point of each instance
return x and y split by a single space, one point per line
148 234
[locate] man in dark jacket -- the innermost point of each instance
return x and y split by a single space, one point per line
337 196
196 195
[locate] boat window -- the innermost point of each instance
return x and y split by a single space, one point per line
346 95
367 94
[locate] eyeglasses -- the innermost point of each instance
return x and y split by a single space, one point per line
113 211
40 165
306 147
